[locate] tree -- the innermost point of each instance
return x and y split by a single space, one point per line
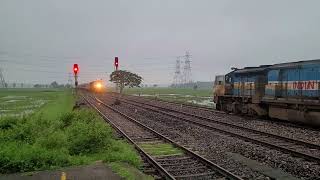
54 84
125 78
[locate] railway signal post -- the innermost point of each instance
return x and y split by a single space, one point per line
75 72
116 63
116 66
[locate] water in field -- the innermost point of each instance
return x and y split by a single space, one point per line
12 105
198 100
205 102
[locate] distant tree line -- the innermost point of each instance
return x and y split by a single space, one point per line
54 84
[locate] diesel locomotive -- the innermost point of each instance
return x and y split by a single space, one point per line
97 86
286 91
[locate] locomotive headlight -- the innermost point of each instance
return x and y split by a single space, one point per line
98 85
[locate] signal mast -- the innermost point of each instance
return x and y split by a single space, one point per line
75 72
116 63
116 66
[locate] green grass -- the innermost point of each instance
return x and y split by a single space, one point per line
180 91
201 97
63 102
19 102
55 136
161 149
76 138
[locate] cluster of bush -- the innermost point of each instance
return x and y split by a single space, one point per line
79 137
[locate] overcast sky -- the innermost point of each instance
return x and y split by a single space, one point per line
41 39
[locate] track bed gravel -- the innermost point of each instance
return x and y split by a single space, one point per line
195 170
279 128
216 146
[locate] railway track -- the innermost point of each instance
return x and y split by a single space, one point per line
212 110
195 107
186 165
308 151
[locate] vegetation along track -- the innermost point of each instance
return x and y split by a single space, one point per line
298 148
184 165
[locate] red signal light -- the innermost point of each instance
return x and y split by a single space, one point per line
75 68
116 62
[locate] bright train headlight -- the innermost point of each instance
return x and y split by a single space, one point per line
98 85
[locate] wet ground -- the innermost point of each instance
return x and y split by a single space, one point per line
98 171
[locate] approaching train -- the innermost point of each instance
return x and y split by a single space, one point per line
97 86
287 91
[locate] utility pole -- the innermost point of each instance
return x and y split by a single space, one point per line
187 69
177 73
2 81
70 80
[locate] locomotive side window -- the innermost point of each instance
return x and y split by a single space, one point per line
228 79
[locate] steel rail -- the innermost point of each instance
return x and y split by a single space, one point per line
156 165
214 166
296 153
310 145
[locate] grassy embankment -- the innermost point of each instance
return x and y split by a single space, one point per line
39 131
202 97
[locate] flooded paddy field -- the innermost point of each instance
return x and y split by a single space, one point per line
20 102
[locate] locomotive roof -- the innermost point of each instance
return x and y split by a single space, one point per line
251 69
297 63
275 66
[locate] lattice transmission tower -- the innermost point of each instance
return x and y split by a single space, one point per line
187 75
177 73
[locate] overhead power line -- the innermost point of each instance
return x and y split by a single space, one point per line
98 66
2 81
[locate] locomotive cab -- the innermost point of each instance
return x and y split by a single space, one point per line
218 87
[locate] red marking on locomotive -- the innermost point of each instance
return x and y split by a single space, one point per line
306 85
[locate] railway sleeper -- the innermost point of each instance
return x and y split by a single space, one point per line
198 175
194 163
181 168
190 173
148 139
149 171
174 158
255 140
